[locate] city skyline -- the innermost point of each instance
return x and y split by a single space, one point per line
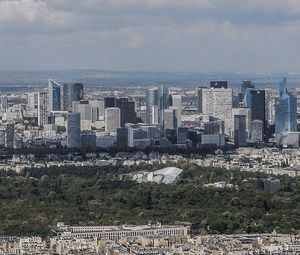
131 127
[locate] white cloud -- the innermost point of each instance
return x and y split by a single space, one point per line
31 12
173 30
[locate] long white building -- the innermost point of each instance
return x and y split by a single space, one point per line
119 232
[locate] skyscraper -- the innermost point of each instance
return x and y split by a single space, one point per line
109 102
71 93
151 100
73 130
98 106
246 85
9 135
177 102
170 118
32 101
43 108
122 137
246 112
128 114
255 100
258 107
112 119
119 101
256 131
199 99
85 110
240 133
217 103
55 92
163 93
154 114
286 111
3 104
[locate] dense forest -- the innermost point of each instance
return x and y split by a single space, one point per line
32 202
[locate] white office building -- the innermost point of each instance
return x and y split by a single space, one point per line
112 119
217 102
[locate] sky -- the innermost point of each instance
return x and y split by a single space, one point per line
261 36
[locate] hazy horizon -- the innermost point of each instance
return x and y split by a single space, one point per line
22 80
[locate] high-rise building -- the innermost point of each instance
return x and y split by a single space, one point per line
3 104
154 114
255 100
246 85
32 101
177 102
240 133
286 111
98 106
43 111
258 106
73 130
9 135
112 119
245 112
137 137
214 127
71 93
217 103
271 102
199 99
122 137
109 102
218 84
88 140
163 94
120 100
128 114
2 136
170 119
85 110
151 100
182 133
55 93
256 131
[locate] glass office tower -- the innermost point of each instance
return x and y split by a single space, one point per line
55 95
286 111
151 101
